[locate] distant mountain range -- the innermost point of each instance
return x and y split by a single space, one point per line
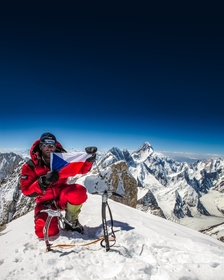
178 156
190 157
190 194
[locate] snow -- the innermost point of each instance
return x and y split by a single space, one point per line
175 174
212 201
147 247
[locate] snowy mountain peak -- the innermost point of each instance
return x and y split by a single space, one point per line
142 153
8 162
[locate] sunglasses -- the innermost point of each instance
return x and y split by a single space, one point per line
48 145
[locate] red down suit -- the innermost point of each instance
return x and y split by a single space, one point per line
60 191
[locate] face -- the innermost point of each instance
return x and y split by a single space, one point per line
47 149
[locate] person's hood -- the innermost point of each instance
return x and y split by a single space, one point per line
35 152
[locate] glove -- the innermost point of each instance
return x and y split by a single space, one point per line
51 177
45 180
91 150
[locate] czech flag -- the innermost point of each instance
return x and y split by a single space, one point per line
68 164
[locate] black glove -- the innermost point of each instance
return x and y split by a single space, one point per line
45 180
91 150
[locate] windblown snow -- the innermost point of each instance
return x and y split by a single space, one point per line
147 247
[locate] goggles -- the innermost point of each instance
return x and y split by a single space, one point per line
48 143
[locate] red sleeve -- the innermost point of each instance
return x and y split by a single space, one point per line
28 181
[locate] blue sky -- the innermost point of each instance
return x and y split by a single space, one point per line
113 76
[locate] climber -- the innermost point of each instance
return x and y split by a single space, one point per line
51 191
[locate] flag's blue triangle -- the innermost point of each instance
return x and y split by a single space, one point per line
58 163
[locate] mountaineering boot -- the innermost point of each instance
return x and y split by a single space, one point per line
71 218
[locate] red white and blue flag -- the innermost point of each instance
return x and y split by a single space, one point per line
68 164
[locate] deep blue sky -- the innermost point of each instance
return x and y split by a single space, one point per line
113 76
